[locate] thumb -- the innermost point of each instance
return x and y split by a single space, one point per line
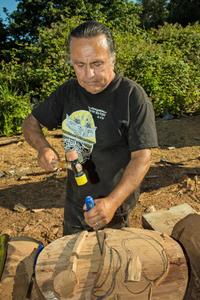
84 207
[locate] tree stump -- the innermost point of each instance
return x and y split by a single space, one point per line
135 264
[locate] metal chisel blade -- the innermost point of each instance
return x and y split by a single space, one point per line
100 239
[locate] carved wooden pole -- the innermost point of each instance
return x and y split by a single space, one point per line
136 264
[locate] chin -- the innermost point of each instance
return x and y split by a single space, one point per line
93 90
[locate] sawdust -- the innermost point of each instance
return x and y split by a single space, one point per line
42 195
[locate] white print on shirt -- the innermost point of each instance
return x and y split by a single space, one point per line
98 112
79 133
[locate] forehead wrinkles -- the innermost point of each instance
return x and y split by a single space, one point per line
88 47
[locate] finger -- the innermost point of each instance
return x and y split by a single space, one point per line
84 207
43 165
87 220
91 221
98 225
92 213
54 164
49 165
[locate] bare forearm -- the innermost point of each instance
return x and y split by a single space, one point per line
132 177
33 133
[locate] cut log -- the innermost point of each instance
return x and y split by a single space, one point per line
165 219
136 264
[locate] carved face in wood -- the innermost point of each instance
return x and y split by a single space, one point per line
135 264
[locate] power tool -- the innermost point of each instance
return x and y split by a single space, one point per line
80 176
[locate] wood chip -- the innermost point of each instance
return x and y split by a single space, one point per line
19 207
2 174
23 178
150 209
36 210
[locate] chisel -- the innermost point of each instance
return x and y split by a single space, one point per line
89 202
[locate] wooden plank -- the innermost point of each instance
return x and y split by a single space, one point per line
164 220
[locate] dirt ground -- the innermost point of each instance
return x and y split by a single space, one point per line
42 195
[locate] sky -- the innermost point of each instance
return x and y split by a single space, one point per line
9 4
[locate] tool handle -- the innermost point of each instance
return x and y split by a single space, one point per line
89 202
38 250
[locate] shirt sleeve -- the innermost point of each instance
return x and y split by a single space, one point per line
142 132
49 113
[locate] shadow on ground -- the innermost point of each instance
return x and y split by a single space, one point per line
183 132
163 176
44 194
50 192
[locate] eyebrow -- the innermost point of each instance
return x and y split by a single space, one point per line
93 62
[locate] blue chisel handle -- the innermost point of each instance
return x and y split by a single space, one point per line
89 202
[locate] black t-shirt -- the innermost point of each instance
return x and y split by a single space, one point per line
104 128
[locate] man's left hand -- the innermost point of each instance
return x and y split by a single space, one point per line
101 214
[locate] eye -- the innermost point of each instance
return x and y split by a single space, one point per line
97 64
80 65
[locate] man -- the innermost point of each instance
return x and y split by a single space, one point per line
109 122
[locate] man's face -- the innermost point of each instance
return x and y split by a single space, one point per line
92 63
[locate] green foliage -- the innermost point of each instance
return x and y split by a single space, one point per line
123 16
154 12
33 15
175 37
13 109
167 79
38 68
165 61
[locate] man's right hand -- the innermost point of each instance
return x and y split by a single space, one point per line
48 159
47 156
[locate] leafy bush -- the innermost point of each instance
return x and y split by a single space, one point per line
159 60
13 109
165 61
175 37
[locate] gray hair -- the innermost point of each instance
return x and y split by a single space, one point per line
91 29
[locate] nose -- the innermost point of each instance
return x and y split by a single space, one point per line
89 71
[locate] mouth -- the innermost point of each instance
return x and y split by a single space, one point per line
91 83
